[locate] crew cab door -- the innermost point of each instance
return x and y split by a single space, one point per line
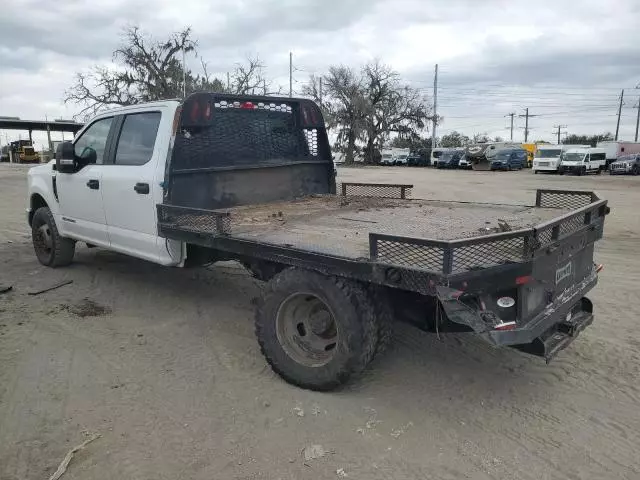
82 215
132 184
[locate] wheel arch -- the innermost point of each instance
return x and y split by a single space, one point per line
36 201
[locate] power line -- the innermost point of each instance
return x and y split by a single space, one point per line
434 137
559 131
526 124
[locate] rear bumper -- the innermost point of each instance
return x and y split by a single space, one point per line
556 326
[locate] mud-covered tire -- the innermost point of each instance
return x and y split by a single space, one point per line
52 249
356 330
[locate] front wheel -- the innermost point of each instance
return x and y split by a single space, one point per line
315 330
52 249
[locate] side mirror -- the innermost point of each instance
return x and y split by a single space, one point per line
65 158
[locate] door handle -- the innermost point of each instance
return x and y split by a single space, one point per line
93 184
141 188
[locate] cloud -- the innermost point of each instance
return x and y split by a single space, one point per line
566 63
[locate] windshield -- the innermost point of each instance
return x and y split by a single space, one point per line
402 157
546 153
573 157
503 155
437 154
386 155
627 158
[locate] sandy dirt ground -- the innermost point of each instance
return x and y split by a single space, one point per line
163 364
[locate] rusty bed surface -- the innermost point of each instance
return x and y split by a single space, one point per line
340 226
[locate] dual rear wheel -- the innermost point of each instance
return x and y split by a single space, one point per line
317 331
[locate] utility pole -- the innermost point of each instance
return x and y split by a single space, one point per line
264 87
290 74
526 123
512 114
619 114
558 131
637 118
228 83
320 92
434 136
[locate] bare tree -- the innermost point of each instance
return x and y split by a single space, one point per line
344 107
149 69
390 108
248 78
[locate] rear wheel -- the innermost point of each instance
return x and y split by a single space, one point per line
315 330
635 170
52 249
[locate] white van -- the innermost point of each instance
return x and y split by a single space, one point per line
436 153
547 157
583 160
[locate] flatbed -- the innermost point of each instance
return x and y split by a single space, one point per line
340 226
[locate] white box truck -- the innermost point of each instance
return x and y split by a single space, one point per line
615 149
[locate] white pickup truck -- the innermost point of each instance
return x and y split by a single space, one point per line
220 177
109 199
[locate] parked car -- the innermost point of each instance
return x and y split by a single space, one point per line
583 160
419 159
613 150
450 159
436 153
509 159
402 159
387 159
626 165
465 163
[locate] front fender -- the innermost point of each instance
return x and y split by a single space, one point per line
40 188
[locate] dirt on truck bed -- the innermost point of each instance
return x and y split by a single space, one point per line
170 375
340 226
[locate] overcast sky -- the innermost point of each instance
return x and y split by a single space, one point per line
565 60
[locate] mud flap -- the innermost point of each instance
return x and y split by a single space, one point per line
462 314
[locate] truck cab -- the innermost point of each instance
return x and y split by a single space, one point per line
583 160
109 196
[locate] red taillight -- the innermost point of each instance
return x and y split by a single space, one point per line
248 105
523 280
599 268
207 112
194 115
505 326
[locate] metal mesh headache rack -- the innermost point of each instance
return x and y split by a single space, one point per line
440 257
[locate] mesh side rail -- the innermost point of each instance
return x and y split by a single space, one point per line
195 219
379 190
453 256
564 198
585 217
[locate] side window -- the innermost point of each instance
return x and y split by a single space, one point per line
137 138
91 144
586 158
